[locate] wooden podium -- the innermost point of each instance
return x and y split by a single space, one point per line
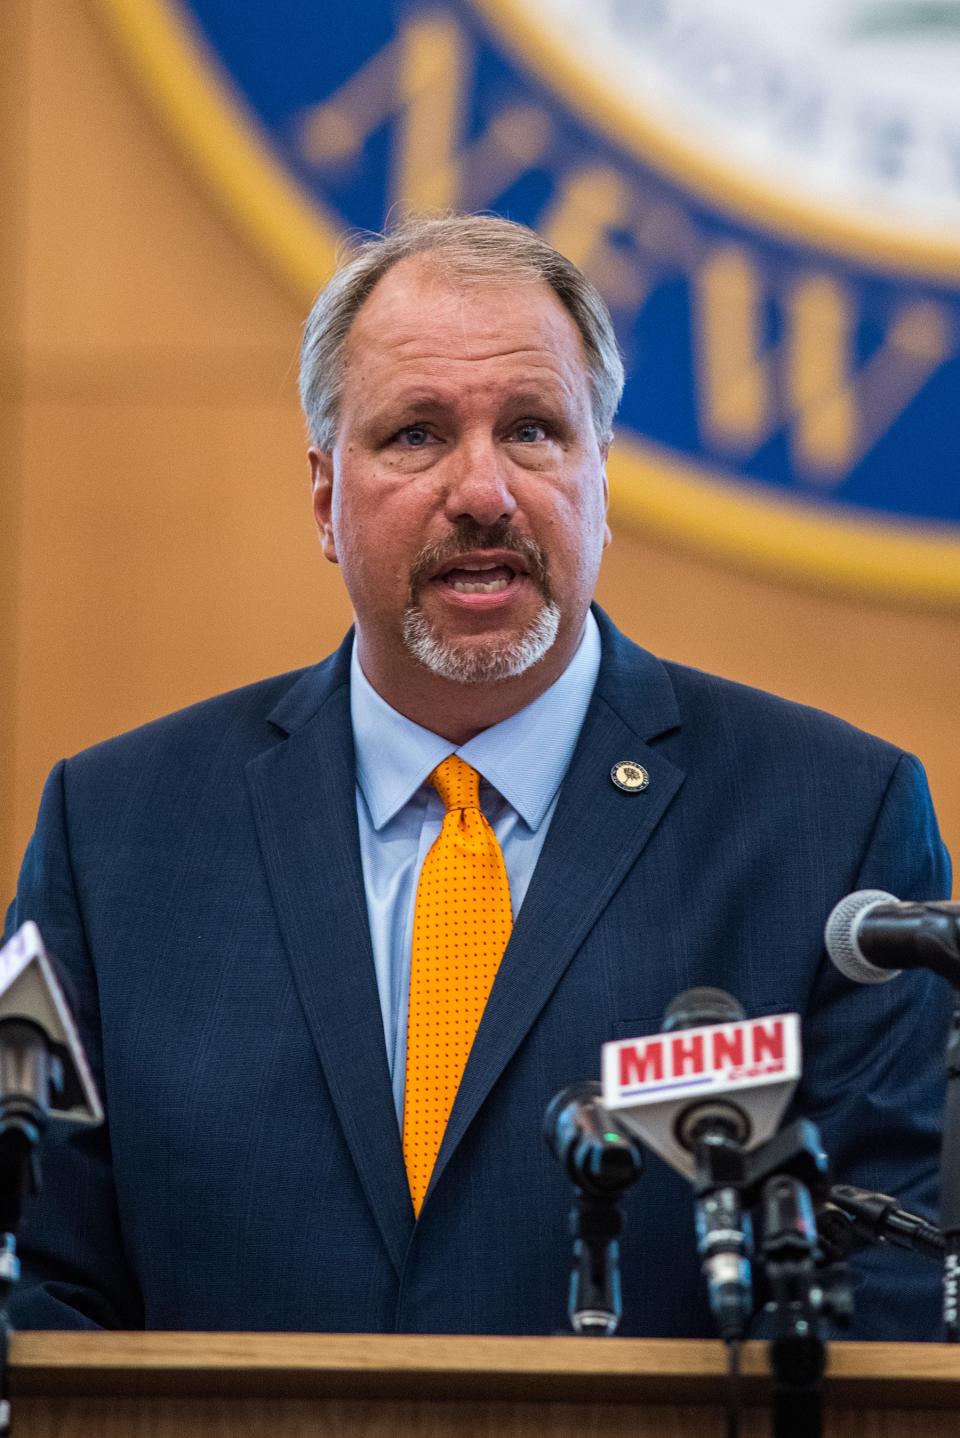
265 1385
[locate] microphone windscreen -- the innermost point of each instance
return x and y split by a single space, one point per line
583 1092
840 936
696 1008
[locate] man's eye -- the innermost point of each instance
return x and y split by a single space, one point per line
530 432
414 436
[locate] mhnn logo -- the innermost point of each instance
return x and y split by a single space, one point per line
727 1053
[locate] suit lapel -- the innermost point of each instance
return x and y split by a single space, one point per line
304 799
597 833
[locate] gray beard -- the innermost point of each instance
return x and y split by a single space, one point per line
480 663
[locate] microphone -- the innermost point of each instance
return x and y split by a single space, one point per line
872 937
601 1160
708 1060
43 1072
42 1063
595 1152
711 1086
855 1217
715 1134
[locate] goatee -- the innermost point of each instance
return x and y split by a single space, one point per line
479 660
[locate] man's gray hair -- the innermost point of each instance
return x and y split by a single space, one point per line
472 248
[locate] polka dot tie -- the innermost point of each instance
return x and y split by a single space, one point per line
461 925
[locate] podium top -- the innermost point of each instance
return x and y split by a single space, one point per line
562 1369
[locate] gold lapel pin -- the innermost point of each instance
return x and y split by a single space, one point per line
629 776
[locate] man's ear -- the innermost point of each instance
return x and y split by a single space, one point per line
321 481
604 454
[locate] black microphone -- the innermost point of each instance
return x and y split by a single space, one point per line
706 1094
597 1154
601 1160
872 936
852 1218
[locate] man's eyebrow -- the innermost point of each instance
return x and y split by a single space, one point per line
413 402
549 394
407 405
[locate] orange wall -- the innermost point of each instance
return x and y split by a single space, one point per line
156 543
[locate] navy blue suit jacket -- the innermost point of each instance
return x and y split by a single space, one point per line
200 878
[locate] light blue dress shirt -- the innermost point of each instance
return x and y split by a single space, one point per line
521 761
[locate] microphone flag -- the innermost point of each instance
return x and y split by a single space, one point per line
30 989
649 1082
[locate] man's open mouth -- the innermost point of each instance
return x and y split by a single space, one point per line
478 578
481 574
480 564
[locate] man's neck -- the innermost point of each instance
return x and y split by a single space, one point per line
458 711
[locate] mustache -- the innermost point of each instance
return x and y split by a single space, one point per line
468 534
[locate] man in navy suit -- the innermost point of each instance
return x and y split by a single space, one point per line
232 887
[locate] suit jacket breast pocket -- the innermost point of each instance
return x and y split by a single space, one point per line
640 1025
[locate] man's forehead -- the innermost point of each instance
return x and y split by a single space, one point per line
416 310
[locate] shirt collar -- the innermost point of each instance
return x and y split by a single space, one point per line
525 757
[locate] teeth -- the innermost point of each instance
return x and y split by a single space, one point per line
492 587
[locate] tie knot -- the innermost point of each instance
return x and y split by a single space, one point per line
457 784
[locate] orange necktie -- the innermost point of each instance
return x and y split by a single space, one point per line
461 925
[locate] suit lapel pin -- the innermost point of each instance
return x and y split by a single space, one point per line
629 776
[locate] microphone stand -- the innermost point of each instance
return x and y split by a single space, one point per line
28 1072
602 1161
783 1174
950 1182
20 1134
798 1353
595 1303
724 1231
601 1178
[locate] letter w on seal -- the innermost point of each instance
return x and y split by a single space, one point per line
834 410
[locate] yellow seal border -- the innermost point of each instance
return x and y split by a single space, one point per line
651 488
783 537
726 186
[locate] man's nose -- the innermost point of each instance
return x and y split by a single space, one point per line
480 486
